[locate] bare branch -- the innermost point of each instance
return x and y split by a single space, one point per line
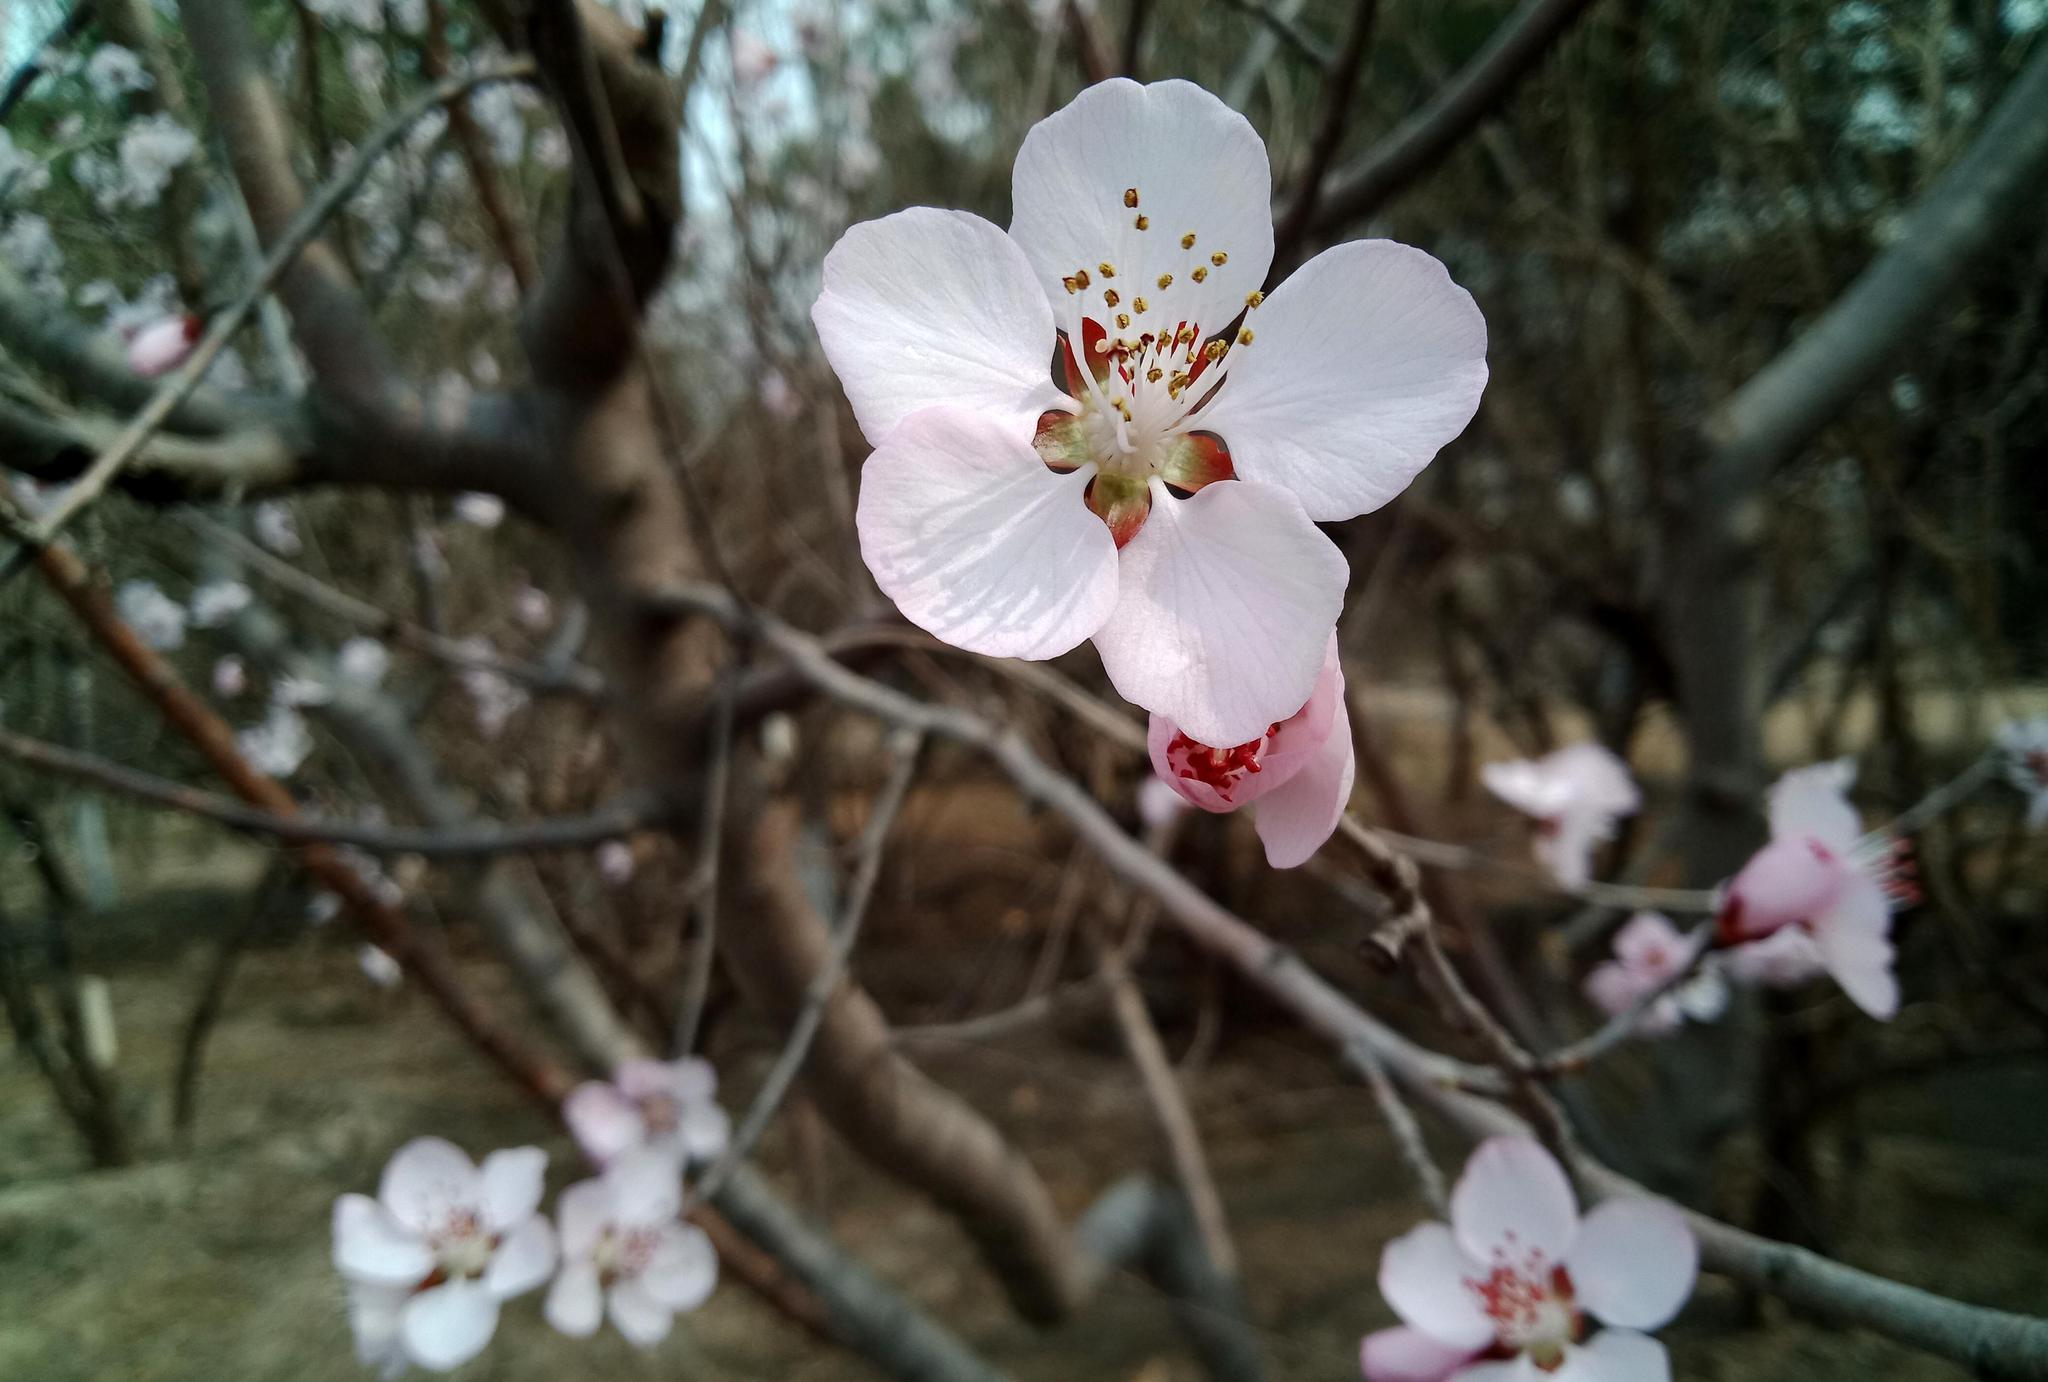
1340 90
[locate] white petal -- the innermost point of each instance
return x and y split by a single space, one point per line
1513 1201
1814 801
931 307
604 1120
1854 936
979 544
1618 1355
427 1180
684 1269
639 1316
1295 818
373 1320
523 1261
1362 366
371 1245
1517 1369
1650 945
1408 1355
645 1078
449 1325
1197 166
1226 603
646 1187
703 1128
1634 1262
575 1303
582 1213
693 1079
514 1179
1423 1275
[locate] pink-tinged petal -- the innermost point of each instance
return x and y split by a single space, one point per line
1226 605
1565 847
1424 1276
575 1303
1298 816
636 1314
1618 1355
693 1079
370 1245
1192 166
929 307
513 1180
684 1269
1634 1263
523 1261
1788 881
449 1325
1854 936
646 1188
1651 945
1783 959
1168 748
703 1129
1596 778
1363 365
426 1181
1513 1201
643 1078
162 346
1614 988
603 1119
1516 1369
1408 1355
1305 735
1524 784
1814 802
979 544
583 1212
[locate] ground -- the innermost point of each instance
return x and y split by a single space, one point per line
209 1264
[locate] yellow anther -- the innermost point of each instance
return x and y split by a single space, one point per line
1187 241
1081 277
1254 299
1110 296
1107 270
1137 304
1130 196
1102 347
1069 284
1143 222
1214 350
1155 374
1200 274
1219 259
1165 282
1123 319
1244 337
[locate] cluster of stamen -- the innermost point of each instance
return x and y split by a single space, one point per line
462 1249
1889 860
623 1254
1533 1306
1221 769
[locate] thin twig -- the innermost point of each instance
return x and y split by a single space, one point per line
704 881
826 981
1340 90
1401 1122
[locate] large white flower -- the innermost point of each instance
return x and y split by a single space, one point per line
1056 409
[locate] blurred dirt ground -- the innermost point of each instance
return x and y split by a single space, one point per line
211 1265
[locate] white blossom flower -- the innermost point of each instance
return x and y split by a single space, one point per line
296 691
1576 795
152 148
277 528
158 620
216 602
532 607
363 661
30 248
162 345
495 697
279 744
410 16
670 1106
1161 496
430 1259
230 677
364 61
2025 745
479 510
1649 952
626 1254
379 968
364 14
114 71
20 169
615 862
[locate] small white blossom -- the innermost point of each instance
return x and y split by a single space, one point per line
113 71
279 745
158 620
152 148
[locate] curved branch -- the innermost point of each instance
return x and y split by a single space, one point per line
1479 89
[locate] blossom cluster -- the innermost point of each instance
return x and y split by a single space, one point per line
432 1258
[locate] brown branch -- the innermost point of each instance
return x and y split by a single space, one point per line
1476 92
513 243
1340 90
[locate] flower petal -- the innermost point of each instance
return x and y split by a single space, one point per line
427 1180
1409 1355
703 1129
373 1320
523 1261
1789 880
1513 1200
1650 945
646 1187
1226 604
1814 801
1854 936
370 1245
449 1325
583 1212
636 1314
930 307
1363 365
1618 1355
1423 1275
684 1269
1198 169
1295 818
1634 1262
575 1303
644 1078
513 1180
693 1079
979 544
